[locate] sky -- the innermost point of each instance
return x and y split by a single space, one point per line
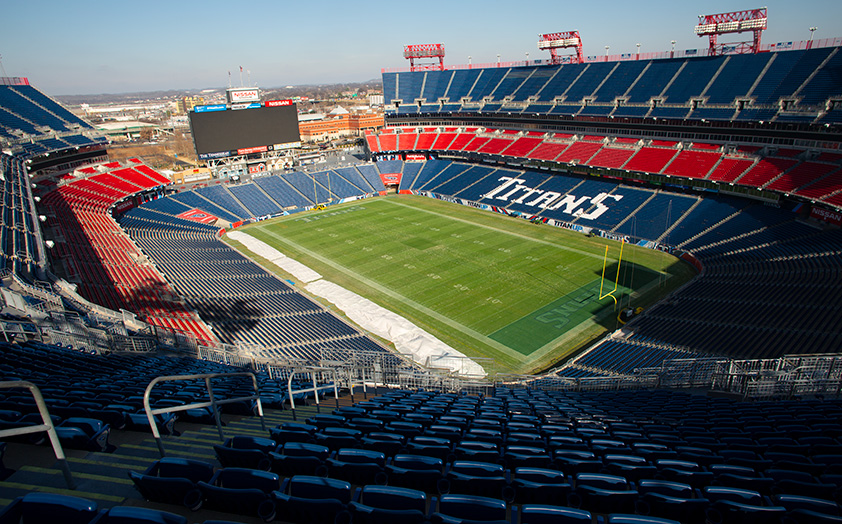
89 46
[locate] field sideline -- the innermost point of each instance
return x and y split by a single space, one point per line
522 294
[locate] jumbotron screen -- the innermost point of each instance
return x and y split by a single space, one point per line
220 132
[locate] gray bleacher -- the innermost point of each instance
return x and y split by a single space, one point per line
369 172
256 201
221 197
654 218
282 192
430 169
307 186
462 181
193 200
355 178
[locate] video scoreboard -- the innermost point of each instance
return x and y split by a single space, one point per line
244 128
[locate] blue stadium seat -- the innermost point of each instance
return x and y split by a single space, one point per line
358 466
456 509
605 493
387 504
242 491
549 514
730 512
85 433
133 515
616 518
417 472
173 481
479 478
305 500
540 486
300 458
48 507
292 432
245 452
688 510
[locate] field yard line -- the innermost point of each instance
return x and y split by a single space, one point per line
524 237
411 303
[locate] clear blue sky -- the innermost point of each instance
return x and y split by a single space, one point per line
84 46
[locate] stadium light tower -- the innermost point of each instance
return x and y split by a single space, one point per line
415 51
810 42
566 39
753 20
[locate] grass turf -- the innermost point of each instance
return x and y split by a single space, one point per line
522 294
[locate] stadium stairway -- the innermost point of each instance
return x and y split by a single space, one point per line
103 477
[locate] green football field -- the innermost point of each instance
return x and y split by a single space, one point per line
488 285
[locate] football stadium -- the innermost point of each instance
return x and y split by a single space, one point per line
581 289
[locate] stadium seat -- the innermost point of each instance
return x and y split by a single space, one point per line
245 452
540 486
390 444
688 510
85 433
615 518
358 466
730 512
548 514
419 472
479 478
242 491
744 496
299 458
173 481
386 504
456 509
48 507
306 500
292 432
605 493
335 438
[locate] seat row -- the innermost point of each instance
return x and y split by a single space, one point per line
469 491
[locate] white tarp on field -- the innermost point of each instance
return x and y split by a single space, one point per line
408 338
258 247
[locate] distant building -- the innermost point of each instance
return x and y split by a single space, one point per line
338 124
375 100
187 103
130 130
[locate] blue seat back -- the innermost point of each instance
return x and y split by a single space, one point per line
309 487
545 514
393 498
48 507
472 507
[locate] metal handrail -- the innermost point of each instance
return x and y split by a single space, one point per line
315 389
150 413
46 426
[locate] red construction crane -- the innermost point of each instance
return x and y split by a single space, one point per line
567 39
414 51
753 20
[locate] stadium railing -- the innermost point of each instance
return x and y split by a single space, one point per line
316 374
46 425
213 403
786 377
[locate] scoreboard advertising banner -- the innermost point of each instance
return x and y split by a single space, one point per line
220 131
